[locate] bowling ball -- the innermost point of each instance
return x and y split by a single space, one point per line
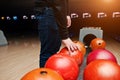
81 47
100 54
97 43
64 65
77 55
102 70
42 74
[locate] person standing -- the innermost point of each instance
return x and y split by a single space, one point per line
53 22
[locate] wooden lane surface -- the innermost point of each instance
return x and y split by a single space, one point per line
19 57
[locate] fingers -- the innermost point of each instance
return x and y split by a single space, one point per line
72 47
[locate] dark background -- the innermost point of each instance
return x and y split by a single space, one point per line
25 7
17 8
109 25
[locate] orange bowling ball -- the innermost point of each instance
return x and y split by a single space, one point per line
42 74
81 47
97 43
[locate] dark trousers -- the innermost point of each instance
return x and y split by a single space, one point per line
49 35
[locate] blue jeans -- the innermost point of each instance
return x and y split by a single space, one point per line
49 35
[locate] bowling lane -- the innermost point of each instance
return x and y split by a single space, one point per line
22 56
19 57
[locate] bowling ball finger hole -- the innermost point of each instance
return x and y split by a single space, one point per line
43 72
99 43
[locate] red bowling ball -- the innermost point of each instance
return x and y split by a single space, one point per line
64 65
42 74
77 55
100 54
102 70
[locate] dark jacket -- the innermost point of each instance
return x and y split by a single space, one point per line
61 10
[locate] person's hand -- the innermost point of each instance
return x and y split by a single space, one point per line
68 21
70 44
